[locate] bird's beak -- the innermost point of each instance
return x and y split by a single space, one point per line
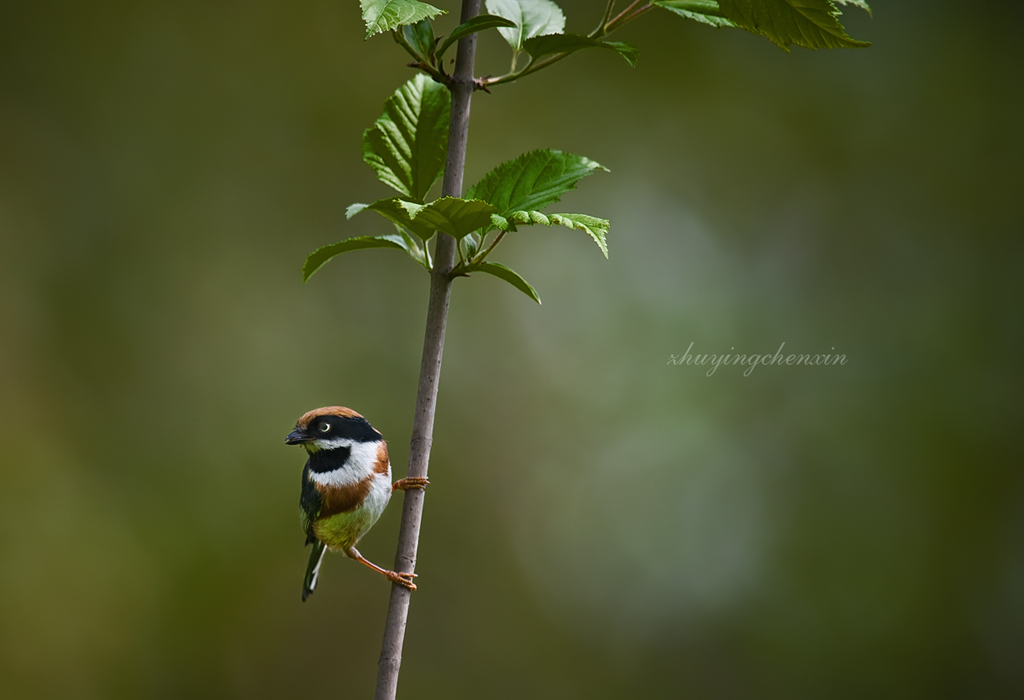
296 437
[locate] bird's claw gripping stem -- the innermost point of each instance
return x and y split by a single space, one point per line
404 580
410 482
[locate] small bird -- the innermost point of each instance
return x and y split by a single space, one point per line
346 485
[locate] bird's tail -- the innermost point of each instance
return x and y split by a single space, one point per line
316 555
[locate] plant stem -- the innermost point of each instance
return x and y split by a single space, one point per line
462 86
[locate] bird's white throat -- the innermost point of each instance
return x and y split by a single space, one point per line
361 462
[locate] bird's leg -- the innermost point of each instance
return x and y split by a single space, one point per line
410 482
394 577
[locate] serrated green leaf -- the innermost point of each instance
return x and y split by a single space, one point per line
385 15
856 3
455 216
399 212
531 17
476 24
421 37
813 24
507 274
704 11
395 210
320 256
594 227
356 208
407 145
533 180
570 43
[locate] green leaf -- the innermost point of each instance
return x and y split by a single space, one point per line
385 15
470 245
320 256
510 276
476 24
531 17
704 11
570 43
856 3
596 228
407 145
416 248
421 37
397 211
533 180
813 24
456 217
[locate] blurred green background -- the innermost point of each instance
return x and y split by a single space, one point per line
600 524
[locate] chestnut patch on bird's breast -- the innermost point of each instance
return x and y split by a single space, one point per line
342 499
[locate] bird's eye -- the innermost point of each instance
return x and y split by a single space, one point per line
324 427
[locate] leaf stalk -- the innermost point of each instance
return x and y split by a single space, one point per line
602 27
634 10
421 63
487 251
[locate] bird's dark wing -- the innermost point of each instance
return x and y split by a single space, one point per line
310 504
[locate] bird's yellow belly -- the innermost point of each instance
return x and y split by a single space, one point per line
343 530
